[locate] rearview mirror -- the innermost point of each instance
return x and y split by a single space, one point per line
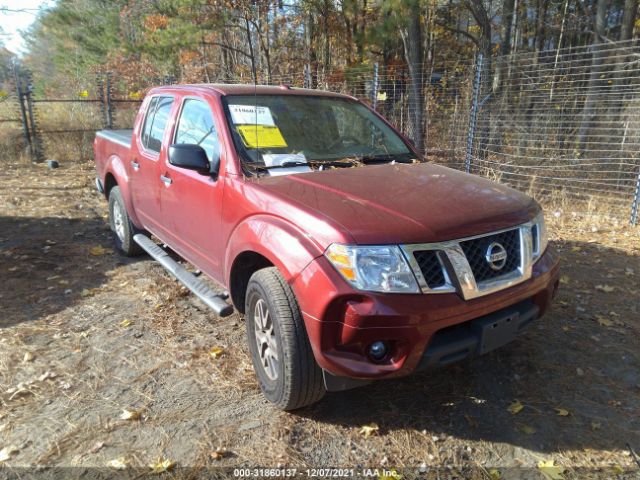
193 157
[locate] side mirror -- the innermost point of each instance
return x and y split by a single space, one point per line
193 157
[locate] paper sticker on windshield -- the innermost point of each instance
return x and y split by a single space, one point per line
275 159
261 136
251 114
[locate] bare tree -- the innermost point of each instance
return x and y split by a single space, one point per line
628 19
597 64
412 39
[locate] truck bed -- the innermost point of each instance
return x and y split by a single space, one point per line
121 137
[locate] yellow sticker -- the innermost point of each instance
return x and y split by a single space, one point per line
261 136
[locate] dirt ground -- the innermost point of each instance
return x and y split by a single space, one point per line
86 333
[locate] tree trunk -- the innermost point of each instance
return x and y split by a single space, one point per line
597 63
628 19
540 22
507 20
412 40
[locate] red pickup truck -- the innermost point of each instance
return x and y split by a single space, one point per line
350 258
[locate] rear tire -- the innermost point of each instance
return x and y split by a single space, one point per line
287 371
121 226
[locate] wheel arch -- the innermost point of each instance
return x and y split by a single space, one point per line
262 241
116 175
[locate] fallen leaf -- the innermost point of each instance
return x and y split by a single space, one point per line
595 425
125 323
6 452
515 407
629 272
550 470
47 375
162 465
28 357
604 321
218 454
564 279
130 414
216 352
576 249
605 288
529 430
96 447
562 412
118 463
369 430
494 474
98 250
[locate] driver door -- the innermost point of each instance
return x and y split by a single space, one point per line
191 201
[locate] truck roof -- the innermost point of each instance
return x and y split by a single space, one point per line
250 89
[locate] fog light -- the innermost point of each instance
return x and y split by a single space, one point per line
378 350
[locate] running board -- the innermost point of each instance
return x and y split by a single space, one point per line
200 289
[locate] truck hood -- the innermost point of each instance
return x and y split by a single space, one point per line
401 203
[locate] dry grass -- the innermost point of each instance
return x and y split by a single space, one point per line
67 307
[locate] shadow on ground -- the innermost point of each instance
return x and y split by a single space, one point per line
48 263
582 357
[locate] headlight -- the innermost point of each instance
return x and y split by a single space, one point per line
374 268
539 236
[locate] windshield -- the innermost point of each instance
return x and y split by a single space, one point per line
282 130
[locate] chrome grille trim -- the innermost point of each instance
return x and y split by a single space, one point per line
457 271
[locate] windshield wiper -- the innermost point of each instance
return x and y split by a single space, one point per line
310 164
282 165
369 159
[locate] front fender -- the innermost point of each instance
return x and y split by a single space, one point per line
115 167
279 241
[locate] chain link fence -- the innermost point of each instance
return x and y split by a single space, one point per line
561 125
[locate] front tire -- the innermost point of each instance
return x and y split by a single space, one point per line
121 226
287 372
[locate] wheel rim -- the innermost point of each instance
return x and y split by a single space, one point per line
266 339
118 220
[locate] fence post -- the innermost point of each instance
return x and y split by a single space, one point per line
23 111
307 76
37 154
474 114
109 97
103 109
374 87
636 202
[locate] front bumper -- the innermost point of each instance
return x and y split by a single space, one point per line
342 322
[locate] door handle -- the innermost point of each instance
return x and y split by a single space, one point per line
167 181
135 165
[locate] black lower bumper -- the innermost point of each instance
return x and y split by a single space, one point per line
468 339
478 336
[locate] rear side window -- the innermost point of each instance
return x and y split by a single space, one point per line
151 110
155 122
197 127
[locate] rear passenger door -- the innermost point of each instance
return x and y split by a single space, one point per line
191 201
144 169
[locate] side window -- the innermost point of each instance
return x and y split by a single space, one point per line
155 122
159 123
196 126
148 120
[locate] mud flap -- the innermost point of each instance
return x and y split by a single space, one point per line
334 383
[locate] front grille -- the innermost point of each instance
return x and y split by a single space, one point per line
430 267
476 251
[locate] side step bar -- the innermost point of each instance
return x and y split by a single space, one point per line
200 289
